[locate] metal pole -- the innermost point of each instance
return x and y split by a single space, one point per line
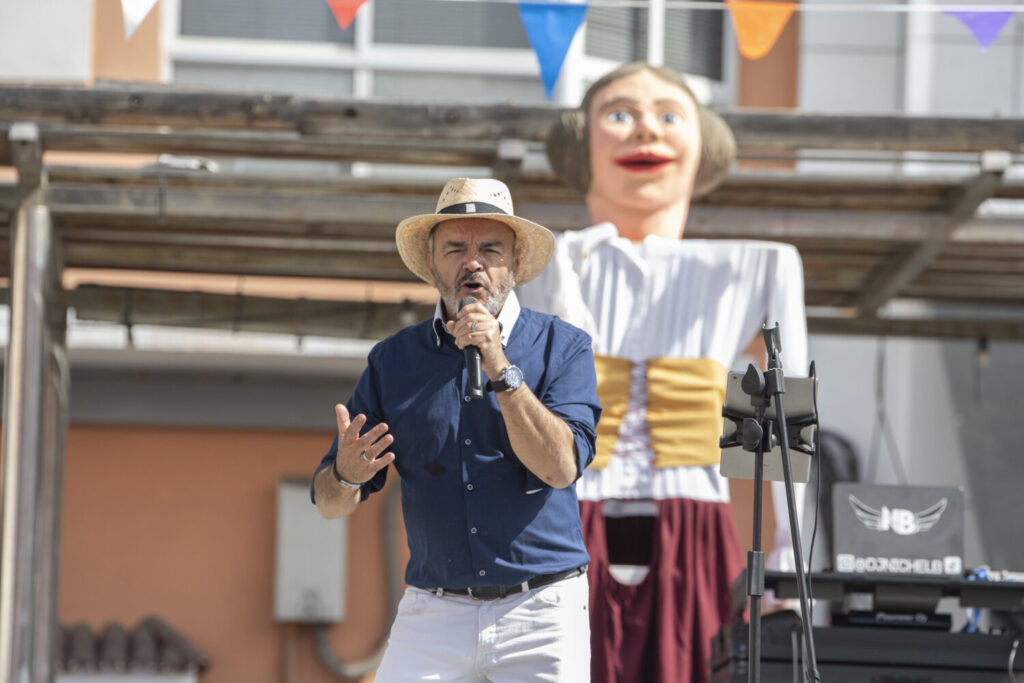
656 32
776 388
35 421
755 561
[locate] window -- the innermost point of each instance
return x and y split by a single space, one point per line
617 33
434 22
265 19
693 38
693 41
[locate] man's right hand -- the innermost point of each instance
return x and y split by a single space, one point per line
360 457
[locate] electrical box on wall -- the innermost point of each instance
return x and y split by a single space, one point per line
309 573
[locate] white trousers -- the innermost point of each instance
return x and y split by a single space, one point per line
540 635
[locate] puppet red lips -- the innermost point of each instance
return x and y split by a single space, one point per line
643 162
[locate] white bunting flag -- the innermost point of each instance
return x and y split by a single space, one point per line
135 11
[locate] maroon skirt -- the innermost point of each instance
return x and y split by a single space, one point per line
660 629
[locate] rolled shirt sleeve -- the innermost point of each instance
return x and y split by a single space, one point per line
571 394
364 400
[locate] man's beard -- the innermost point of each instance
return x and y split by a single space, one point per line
496 295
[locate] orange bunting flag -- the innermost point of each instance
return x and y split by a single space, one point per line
345 11
758 24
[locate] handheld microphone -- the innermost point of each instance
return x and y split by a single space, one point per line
472 354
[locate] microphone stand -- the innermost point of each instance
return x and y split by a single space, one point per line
753 432
759 435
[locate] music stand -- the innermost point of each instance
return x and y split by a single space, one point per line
757 422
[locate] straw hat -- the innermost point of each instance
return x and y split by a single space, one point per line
475 198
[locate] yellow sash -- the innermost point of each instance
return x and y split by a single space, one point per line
684 408
613 392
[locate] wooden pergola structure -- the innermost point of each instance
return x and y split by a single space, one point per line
865 240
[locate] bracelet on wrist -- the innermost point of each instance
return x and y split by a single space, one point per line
337 478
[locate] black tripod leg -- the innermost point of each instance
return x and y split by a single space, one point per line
755 573
811 663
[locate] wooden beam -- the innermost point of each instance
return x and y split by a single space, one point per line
904 269
296 206
784 130
918 327
273 145
1000 292
249 241
351 319
219 259
293 206
375 320
749 194
148 104
741 189
152 105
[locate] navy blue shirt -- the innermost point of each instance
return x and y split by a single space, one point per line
474 514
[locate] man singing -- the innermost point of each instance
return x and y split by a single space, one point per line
497 569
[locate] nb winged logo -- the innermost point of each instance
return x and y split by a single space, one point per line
897 520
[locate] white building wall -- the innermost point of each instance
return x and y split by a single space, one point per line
920 64
923 407
45 41
850 61
968 82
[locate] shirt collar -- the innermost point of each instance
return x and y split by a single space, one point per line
506 318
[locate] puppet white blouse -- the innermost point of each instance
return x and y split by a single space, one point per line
664 298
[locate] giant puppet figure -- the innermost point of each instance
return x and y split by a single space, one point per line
669 317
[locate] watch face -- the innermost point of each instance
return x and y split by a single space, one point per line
513 377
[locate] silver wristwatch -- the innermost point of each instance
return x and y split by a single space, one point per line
510 379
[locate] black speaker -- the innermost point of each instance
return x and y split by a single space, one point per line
849 654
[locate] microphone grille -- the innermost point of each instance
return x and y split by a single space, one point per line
467 301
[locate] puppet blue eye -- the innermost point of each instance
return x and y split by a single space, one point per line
620 117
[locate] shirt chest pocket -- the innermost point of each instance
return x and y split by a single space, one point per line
423 427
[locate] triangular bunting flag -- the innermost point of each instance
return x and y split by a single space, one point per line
985 25
345 11
758 24
134 11
550 27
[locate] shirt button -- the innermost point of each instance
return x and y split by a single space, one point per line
467 442
483 573
469 487
467 399
473 530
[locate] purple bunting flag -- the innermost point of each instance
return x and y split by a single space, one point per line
985 25
550 28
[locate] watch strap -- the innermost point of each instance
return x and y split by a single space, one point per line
338 478
498 385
